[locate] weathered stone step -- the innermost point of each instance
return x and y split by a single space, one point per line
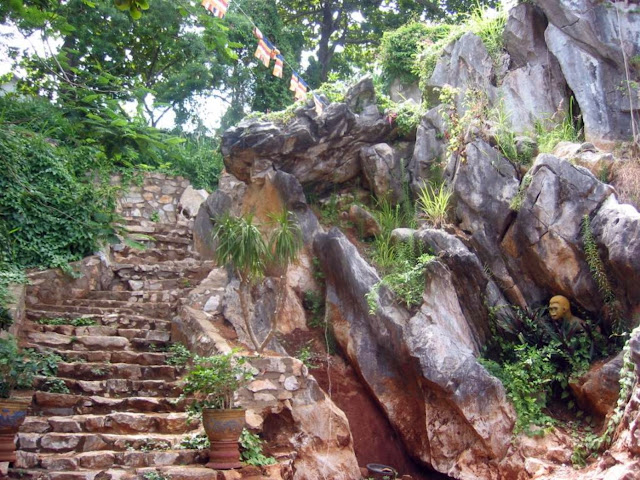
194 270
137 256
150 228
126 339
118 387
155 309
100 371
139 296
118 424
56 404
105 459
179 472
83 310
120 320
97 356
153 285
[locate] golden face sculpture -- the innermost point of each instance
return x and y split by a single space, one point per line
559 307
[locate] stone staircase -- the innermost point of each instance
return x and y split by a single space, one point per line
122 418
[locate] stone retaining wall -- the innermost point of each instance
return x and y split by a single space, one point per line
156 199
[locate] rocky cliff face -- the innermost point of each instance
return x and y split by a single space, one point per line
515 238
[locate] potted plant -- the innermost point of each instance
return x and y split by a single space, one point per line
212 383
16 373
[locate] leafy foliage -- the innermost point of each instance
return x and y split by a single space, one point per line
76 322
16 368
199 441
569 130
535 359
213 380
399 49
178 355
251 452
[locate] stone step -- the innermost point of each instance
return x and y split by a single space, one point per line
148 308
173 472
137 256
84 310
117 387
120 320
100 371
104 459
126 339
57 404
194 270
121 285
97 356
140 296
117 423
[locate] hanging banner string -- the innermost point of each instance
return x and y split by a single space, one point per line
266 51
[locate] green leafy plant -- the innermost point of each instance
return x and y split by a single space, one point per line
406 282
251 451
47 361
54 385
199 441
306 355
178 355
76 322
434 203
156 476
516 201
17 369
154 217
314 302
8 274
568 130
212 381
535 361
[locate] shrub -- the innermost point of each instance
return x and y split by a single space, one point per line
252 450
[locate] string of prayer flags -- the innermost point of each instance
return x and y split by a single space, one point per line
216 7
293 85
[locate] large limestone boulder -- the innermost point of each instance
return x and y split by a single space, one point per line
449 412
544 243
429 151
318 150
616 228
465 64
227 198
476 291
588 38
533 90
483 185
382 168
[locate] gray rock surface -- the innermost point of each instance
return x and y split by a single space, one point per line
588 38
544 244
484 185
616 228
448 410
429 151
465 64
382 168
319 151
533 90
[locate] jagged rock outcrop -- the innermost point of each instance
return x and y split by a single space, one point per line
484 184
318 150
383 170
594 42
465 64
449 411
476 292
544 242
534 89
429 151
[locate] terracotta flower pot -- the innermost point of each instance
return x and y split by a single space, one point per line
223 428
12 415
